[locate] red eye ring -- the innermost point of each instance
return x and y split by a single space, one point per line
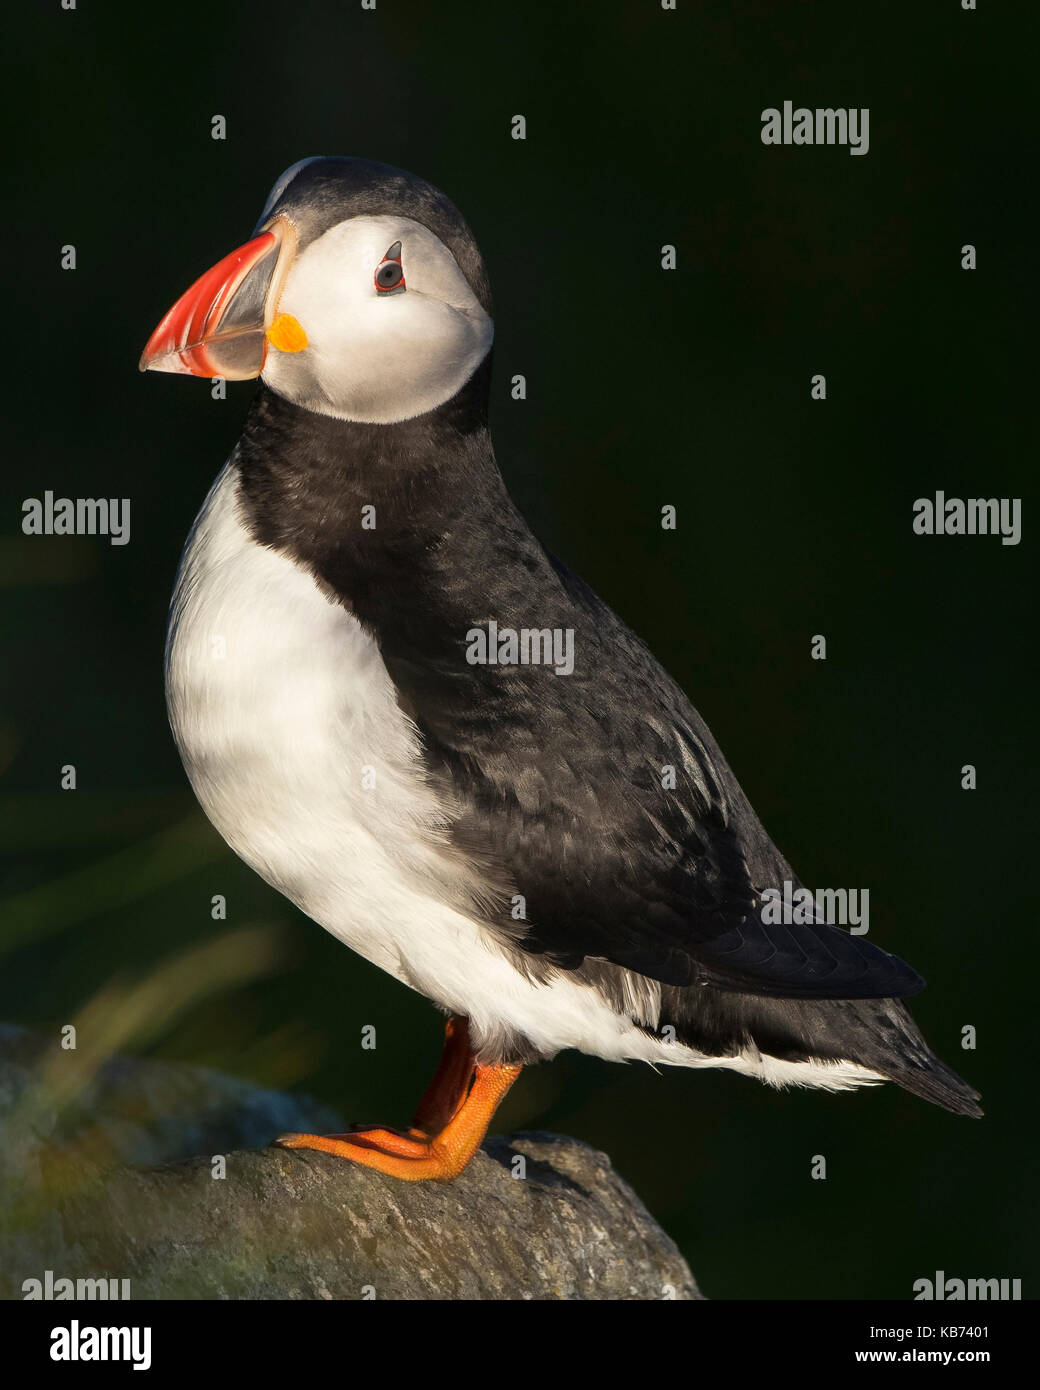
389 276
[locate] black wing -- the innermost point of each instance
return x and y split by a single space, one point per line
562 783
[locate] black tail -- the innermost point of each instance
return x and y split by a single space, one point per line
875 1033
914 1066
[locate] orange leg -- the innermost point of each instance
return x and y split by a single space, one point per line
447 1091
449 1124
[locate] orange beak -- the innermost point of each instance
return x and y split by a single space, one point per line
219 326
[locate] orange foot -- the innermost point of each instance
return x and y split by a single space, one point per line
452 1119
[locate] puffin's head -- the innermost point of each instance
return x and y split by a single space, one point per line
361 295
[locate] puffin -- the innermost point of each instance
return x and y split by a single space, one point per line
435 739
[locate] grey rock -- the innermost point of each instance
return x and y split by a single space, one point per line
535 1216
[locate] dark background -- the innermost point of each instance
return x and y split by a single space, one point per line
645 388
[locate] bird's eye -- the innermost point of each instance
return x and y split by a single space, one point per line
390 272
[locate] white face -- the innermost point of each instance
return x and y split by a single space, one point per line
373 355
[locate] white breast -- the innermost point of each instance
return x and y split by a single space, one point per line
296 746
